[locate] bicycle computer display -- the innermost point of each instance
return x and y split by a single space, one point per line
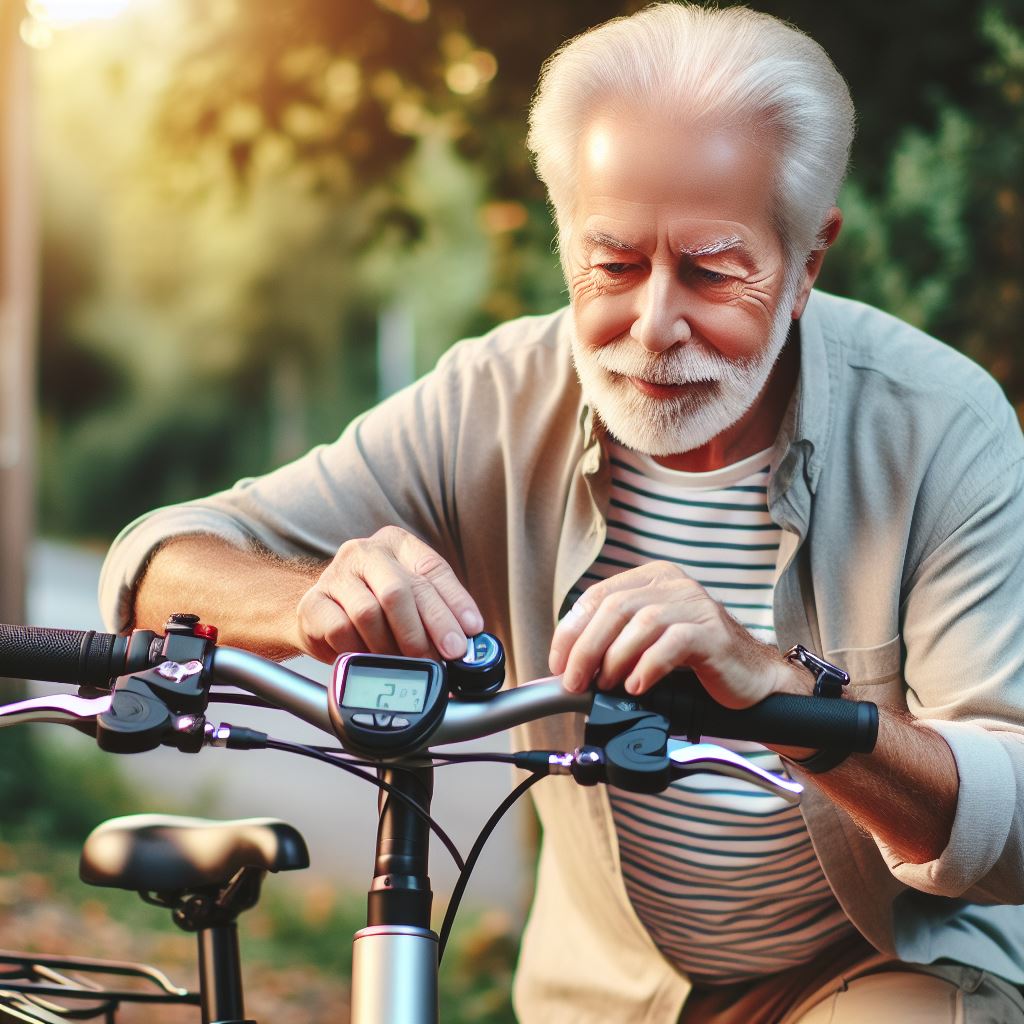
386 705
386 689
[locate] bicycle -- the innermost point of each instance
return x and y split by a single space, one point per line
143 689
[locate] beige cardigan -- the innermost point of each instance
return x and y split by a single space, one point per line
899 485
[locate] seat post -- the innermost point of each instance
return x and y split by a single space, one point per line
212 915
220 975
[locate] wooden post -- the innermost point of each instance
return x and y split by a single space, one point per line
18 291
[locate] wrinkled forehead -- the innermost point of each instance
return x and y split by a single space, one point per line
637 165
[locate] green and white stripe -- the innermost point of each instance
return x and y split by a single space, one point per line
722 874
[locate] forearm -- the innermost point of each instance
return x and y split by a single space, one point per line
251 596
904 792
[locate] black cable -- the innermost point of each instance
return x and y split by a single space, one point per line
429 759
444 760
248 699
417 808
433 758
474 854
339 754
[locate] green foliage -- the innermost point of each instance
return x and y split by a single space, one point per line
213 275
905 249
938 241
60 792
476 976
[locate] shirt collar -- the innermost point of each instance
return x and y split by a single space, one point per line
807 426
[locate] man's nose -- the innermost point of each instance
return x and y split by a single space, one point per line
661 317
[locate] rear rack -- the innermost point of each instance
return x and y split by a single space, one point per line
46 989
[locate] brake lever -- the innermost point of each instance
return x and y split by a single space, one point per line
59 708
709 757
134 716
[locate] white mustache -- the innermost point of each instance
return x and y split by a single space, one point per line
679 366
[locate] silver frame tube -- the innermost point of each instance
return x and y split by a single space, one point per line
394 976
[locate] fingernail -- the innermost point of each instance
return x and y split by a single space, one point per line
472 623
453 646
632 685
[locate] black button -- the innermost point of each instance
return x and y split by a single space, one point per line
382 721
399 723
362 719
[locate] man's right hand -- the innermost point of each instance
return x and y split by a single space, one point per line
389 593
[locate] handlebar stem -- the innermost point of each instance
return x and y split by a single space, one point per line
400 892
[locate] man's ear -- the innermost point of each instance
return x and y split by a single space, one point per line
826 237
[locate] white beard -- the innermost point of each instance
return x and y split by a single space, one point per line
724 389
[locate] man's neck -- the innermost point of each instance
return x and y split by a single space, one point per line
756 430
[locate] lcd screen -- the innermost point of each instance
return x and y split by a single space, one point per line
385 689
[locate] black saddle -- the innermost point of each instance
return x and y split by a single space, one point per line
167 853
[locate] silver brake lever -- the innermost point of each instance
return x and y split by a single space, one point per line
709 757
57 707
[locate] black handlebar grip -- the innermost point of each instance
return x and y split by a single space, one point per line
785 719
77 656
796 721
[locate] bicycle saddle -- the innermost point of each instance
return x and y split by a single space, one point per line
167 853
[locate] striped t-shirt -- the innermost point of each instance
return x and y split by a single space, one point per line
721 873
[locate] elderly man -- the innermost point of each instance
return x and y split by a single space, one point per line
699 463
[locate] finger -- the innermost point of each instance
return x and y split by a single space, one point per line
427 564
326 629
682 601
567 632
671 650
367 617
588 651
392 587
569 629
443 628
635 637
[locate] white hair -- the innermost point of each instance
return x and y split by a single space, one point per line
731 68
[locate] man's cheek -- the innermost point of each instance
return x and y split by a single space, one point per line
602 318
738 331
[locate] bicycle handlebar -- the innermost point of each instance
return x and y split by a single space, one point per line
783 718
786 719
76 656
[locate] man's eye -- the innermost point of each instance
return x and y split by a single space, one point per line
712 276
616 269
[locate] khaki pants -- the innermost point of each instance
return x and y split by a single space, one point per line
863 987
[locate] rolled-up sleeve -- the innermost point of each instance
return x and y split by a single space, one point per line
985 818
963 630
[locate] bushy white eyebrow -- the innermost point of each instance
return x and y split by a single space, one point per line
716 246
596 238
730 243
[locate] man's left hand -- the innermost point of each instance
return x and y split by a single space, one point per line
641 624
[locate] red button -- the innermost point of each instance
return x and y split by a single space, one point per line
205 631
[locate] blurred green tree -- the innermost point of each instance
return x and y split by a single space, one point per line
214 276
